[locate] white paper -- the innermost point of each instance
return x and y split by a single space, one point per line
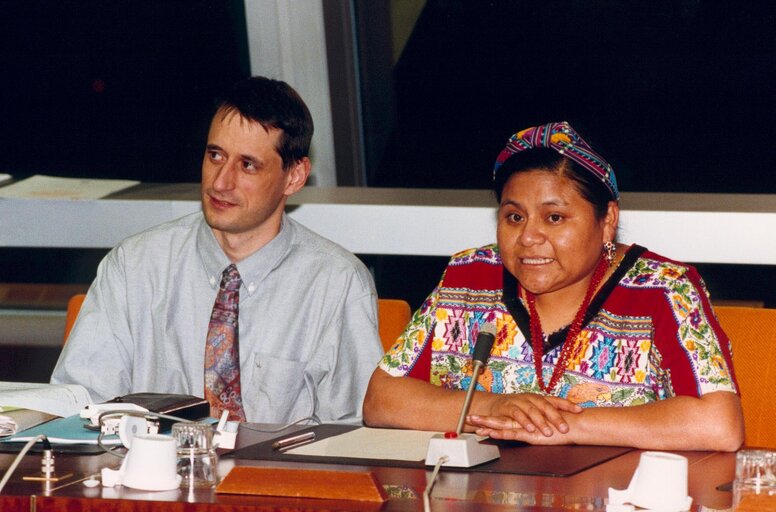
50 187
7 425
371 443
21 419
56 399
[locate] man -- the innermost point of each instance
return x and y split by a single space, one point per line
238 303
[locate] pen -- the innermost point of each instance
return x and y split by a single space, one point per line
293 441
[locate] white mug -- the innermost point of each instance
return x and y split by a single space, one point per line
151 463
659 483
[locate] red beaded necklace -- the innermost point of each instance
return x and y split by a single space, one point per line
537 335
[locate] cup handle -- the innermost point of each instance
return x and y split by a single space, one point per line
618 496
111 477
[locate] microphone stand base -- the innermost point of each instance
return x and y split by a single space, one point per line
463 451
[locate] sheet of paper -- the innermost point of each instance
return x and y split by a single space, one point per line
7 425
50 187
21 419
371 443
56 399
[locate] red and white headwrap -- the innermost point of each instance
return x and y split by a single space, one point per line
565 140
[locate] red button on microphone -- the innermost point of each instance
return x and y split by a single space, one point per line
450 435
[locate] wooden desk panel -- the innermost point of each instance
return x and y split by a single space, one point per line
455 491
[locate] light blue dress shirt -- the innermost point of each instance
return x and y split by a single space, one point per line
308 336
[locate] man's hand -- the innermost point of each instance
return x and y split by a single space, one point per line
514 416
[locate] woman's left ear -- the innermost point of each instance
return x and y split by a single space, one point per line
611 220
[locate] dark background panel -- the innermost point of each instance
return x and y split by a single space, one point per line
677 95
114 89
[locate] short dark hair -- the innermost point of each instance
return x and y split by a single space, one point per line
546 159
274 105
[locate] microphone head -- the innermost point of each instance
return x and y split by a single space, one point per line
485 340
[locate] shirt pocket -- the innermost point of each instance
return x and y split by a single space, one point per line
281 390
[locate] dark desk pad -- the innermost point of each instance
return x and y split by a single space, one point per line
516 458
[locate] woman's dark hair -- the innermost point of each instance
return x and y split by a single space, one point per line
546 159
273 104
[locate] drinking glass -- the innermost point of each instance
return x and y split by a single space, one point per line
197 459
755 474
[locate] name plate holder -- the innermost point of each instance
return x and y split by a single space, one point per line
302 483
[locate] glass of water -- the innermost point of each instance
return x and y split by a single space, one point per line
197 459
755 474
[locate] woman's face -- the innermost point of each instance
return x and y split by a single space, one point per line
548 235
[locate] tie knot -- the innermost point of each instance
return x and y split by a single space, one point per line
230 279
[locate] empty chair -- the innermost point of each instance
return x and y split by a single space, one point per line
752 332
393 315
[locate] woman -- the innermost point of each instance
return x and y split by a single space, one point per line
597 342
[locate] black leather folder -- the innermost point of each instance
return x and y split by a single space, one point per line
186 407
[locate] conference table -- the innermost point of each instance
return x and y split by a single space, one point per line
709 474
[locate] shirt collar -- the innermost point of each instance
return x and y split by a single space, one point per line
253 269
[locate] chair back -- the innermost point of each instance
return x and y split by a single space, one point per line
752 332
393 315
73 307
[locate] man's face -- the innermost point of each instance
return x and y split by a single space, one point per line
244 186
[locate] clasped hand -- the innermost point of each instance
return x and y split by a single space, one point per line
525 417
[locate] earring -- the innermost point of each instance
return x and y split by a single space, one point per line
610 251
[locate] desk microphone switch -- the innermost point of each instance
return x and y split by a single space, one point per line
462 450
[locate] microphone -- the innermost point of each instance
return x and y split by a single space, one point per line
482 348
464 450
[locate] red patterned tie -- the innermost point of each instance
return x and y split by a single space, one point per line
222 356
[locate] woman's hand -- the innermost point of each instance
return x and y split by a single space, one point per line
512 416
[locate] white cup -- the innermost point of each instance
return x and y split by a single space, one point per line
151 463
659 483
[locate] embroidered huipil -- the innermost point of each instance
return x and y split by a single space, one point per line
650 333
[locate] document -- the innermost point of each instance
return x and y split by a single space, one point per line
50 187
56 399
15 420
371 443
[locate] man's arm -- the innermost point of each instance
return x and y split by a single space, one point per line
357 349
97 354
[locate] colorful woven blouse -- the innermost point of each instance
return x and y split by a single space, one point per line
649 334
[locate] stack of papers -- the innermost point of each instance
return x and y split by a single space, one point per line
13 420
24 405
56 399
